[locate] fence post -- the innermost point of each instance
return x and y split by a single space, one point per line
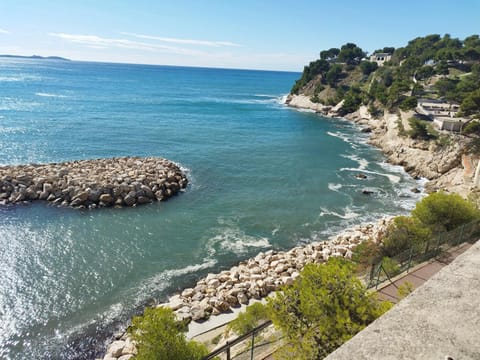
461 235
228 351
253 345
410 259
380 267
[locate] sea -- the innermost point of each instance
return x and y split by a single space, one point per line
261 176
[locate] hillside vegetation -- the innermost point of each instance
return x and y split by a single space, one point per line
432 67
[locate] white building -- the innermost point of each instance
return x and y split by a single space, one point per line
380 58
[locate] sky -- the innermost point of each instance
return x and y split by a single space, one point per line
247 34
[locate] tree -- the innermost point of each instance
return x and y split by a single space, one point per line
326 305
330 54
350 54
471 104
160 337
333 75
444 212
418 129
409 103
404 233
368 67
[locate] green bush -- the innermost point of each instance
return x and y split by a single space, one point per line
444 212
402 234
419 129
390 266
366 253
253 316
160 337
324 308
409 103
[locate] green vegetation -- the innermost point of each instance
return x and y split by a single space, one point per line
405 289
434 214
160 337
325 307
253 316
443 67
444 212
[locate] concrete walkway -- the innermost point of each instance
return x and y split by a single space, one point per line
418 275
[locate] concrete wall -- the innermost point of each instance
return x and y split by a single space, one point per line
441 319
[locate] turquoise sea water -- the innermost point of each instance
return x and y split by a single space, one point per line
261 176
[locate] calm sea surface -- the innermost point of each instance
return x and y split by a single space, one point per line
262 176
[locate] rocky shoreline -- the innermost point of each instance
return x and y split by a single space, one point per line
440 164
119 182
254 278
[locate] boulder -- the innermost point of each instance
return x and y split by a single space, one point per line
116 348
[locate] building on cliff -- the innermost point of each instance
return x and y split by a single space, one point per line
443 114
380 58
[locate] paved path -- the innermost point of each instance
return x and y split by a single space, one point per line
419 274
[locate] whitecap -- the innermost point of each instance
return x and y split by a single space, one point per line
393 178
50 95
348 213
340 136
363 163
232 239
334 187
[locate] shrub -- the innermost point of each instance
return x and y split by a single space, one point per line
405 289
248 320
366 253
409 103
418 129
444 212
390 266
402 234
324 307
160 337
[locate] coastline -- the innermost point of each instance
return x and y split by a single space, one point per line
441 165
226 292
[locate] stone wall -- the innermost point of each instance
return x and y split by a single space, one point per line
127 181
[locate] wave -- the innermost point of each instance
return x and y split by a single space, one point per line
340 136
50 95
334 187
233 239
348 213
19 78
393 178
363 163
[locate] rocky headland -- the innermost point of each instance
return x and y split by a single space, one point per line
254 278
126 181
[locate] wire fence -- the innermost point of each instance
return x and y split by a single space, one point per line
385 269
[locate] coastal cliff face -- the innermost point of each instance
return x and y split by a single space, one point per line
441 165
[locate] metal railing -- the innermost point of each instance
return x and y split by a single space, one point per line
433 248
247 353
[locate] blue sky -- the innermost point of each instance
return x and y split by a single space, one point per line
260 34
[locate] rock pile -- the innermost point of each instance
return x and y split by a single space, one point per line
127 181
254 279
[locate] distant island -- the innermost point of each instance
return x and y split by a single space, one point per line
35 57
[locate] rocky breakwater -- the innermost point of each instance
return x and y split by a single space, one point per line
127 181
253 279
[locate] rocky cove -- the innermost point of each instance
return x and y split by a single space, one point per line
265 273
126 181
